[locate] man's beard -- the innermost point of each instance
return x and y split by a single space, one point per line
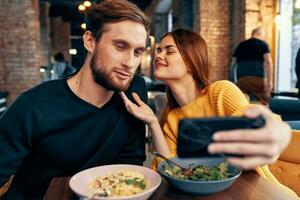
104 77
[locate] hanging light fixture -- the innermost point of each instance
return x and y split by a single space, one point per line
81 7
87 3
73 51
83 25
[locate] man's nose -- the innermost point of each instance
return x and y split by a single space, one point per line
129 60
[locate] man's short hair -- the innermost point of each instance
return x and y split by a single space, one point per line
258 31
59 57
112 11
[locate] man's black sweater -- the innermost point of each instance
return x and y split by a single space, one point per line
50 132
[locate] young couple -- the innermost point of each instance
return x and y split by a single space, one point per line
64 126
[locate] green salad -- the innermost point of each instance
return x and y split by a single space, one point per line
200 173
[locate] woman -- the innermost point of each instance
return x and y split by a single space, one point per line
181 62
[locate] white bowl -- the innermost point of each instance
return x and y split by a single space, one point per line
79 182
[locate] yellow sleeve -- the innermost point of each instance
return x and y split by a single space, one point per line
266 173
228 99
171 140
292 152
286 169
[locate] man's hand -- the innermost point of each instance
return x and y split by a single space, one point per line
259 146
140 110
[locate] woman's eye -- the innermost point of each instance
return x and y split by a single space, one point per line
170 52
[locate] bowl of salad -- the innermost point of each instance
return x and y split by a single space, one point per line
207 175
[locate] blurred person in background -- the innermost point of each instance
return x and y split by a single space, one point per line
61 69
254 70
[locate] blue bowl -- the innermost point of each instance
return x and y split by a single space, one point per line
200 187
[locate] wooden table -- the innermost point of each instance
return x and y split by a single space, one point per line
249 186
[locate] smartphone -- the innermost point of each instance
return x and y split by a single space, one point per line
195 134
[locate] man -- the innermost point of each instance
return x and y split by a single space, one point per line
60 68
254 70
64 126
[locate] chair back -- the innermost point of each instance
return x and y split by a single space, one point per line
3 102
289 109
294 124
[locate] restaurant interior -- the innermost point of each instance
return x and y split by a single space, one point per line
33 32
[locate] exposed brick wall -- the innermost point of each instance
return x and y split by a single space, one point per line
238 19
45 30
60 37
215 28
19 46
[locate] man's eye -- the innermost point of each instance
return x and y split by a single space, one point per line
138 53
120 46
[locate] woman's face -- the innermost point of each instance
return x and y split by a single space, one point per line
168 62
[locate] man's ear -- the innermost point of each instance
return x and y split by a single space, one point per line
89 42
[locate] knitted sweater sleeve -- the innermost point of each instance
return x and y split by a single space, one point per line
171 140
227 99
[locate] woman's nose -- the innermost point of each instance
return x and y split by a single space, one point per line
159 55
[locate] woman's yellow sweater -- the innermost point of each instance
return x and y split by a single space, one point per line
222 98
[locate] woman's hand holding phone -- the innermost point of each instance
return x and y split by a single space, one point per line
259 146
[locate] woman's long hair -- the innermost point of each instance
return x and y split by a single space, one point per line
193 49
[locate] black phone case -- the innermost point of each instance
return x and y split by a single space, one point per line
196 134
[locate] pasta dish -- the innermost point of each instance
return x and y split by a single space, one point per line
121 183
